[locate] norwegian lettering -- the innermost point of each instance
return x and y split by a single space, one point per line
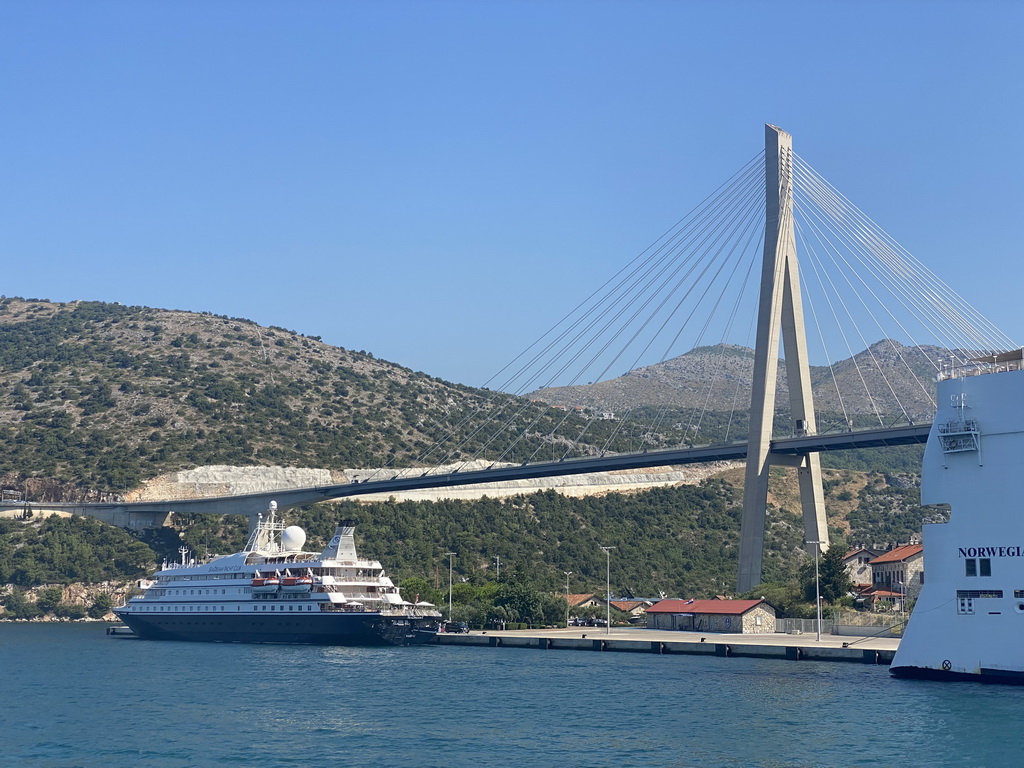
990 551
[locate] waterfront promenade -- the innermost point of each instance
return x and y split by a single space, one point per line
874 650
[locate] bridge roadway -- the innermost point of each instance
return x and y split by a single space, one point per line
149 513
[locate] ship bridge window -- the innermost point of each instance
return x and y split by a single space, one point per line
981 566
978 593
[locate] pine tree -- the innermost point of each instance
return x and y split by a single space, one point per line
833 580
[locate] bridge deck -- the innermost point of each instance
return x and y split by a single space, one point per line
403 480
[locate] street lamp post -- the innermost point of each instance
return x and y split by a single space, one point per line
497 561
567 575
817 587
450 556
608 588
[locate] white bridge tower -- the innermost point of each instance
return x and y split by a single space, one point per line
780 313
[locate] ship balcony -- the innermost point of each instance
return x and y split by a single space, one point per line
352 607
959 436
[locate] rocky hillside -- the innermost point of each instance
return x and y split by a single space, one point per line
719 378
95 397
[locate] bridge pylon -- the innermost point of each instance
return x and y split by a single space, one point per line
780 314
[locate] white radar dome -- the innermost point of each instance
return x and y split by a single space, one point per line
292 538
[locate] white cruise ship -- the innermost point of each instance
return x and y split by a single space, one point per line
969 619
274 592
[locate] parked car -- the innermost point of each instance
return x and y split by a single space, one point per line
456 627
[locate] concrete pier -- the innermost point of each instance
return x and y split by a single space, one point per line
878 650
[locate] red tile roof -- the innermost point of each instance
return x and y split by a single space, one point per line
852 552
575 600
627 605
878 592
886 593
899 554
721 607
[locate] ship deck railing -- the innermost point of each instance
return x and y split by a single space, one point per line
959 370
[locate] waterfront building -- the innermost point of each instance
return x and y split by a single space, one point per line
858 565
589 600
632 607
900 571
879 598
733 616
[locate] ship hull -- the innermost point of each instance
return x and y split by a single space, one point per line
321 629
984 675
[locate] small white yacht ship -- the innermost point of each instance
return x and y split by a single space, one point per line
969 619
274 592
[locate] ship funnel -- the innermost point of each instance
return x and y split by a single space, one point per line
342 545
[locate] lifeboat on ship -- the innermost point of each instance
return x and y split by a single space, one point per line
297 583
265 585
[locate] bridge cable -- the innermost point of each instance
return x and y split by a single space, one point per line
641 280
612 288
739 222
650 288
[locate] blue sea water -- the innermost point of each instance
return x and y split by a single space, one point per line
72 696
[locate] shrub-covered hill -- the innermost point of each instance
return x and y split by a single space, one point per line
682 540
887 378
102 396
61 550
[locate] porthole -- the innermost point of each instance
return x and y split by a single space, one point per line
1020 607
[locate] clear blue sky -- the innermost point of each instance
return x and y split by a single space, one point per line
436 182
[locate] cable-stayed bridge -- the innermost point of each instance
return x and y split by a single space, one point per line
405 480
692 287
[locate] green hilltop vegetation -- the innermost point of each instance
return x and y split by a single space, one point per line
101 396
95 398
63 550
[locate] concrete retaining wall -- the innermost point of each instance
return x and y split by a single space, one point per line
849 630
598 642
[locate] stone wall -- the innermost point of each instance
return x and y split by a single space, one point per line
713 622
889 575
759 620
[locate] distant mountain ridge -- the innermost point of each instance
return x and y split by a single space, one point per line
887 378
